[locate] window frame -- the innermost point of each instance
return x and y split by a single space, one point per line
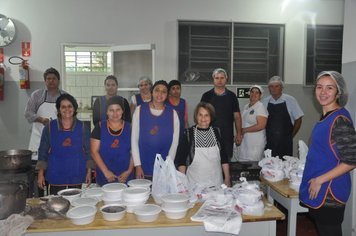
231 58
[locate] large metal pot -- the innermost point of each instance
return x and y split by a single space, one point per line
12 198
15 159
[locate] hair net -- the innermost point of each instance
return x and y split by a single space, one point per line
276 79
258 87
340 84
146 79
219 70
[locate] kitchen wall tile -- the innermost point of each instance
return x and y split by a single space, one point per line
87 92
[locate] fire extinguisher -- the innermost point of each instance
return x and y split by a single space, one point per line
24 71
2 81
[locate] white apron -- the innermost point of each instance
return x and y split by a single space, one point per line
253 143
47 110
205 169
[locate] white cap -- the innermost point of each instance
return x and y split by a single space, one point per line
276 79
258 87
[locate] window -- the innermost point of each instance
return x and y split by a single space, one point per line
324 50
82 59
250 53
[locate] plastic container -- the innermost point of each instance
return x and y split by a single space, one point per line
178 201
70 193
144 183
147 212
175 214
84 201
93 193
135 193
82 215
113 212
113 190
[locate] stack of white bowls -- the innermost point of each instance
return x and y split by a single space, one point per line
113 193
175 205
96 193
135 196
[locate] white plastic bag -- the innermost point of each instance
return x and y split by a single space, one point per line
166 179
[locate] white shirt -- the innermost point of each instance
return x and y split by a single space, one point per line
294 110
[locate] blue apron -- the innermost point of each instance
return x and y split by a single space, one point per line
180 109
115 151
66 160
322 157
156 136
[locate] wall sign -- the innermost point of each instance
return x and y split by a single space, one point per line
26 49
243 92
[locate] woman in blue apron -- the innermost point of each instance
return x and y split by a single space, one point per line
110 145
155 130
326 182
64 159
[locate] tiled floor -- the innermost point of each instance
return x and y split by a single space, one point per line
305 226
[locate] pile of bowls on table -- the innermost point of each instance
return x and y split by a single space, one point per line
175 205
133 197
84 208
113 193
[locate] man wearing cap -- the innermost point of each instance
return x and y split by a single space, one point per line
226 109
284 120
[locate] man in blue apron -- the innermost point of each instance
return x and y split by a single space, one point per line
284 120
41 108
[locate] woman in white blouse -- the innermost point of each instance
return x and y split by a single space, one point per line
254 120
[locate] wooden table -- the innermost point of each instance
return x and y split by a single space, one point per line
252 225
287 197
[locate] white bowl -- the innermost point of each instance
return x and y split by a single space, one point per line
112 201
131 207
145 183
177 201
147 212
94 193
113 190
135 193
82 215
175 213
113 212
84 201
70 193
136 200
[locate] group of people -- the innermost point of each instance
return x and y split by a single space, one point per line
127 136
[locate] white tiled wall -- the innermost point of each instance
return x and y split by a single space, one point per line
83 86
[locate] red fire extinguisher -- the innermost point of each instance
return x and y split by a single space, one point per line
24 71
2 81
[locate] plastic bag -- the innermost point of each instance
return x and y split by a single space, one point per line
166 179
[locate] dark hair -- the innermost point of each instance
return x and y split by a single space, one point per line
116 100
68 97
173 83
206 106
51 70
111 77
162 82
